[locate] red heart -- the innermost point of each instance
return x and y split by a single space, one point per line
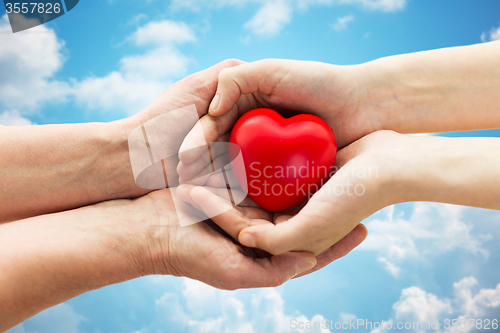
285 160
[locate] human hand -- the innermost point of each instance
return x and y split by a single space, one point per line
167 121
291 87
364 183
72 252
330 92
325 90
380 169
234 219
201 252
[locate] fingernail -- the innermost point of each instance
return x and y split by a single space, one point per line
214 104
247 240
304 266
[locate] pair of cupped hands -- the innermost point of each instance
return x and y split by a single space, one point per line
246 246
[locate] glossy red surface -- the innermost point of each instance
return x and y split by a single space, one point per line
286 160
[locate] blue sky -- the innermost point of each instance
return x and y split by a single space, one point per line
420 262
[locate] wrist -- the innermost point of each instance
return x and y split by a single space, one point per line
435 169
119 182
392 161
128 227
458 171
378 93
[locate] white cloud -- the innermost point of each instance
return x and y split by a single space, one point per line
390 266
382 5
431 229
342 22
198 5
205 309
117 91
163 33
58 319
418 306
493 34
347 317
141 78
13 118
274 15
28 62
137 19
271 18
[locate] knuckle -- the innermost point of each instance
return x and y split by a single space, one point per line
219 124
232 62
278 280
225 74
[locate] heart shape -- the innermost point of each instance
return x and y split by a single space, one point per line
285 160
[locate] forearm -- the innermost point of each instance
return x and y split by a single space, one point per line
461 171
452 89
49 259
51 168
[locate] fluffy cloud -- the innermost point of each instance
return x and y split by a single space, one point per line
13 118
382 5
141 78
418 306
493 34
205 309
58 319
342 22
273 15
163 33
431 229
28 62
270 18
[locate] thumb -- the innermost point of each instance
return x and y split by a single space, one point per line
308 225
260 76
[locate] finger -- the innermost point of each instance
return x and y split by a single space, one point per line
208 153
340 249
293 210
206 81
238 196
205 173
183 191
260 76
304 228
325 216
269 272
230 218
218 180
207 129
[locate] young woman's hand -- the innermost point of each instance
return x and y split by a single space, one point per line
380 169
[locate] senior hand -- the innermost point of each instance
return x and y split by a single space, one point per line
72 252
328 91
361 186
66 166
